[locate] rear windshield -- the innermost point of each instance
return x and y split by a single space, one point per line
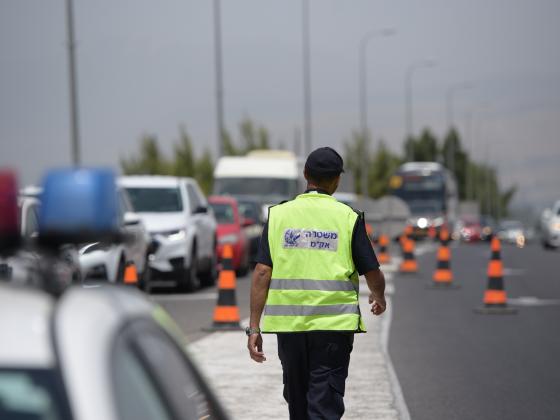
223 212
157 200
32 394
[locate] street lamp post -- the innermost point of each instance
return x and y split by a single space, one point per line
363 95
71 43
307 130
420 64
218 76
450 116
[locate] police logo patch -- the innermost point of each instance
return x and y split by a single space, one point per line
310 239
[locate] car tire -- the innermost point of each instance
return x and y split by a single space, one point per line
208 277
119 279
189 281
146 278
244 265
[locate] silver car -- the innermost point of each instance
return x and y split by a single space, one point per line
105 353
550 227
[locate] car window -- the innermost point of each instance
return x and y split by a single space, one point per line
194 201
223 213
125 204
31 394
136 394
179 379
158 200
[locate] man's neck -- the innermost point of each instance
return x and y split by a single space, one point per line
313 187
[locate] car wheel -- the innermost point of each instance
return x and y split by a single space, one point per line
146 278
209 276
190 281
244 265
120 272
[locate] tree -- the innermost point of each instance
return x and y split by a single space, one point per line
184 159
150 160
356 156
204 172
381 168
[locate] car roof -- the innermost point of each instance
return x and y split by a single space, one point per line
223 199
256 167
152 181
25 316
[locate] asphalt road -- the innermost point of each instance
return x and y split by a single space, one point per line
455 364
194 311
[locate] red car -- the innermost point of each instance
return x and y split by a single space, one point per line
471 230
230 230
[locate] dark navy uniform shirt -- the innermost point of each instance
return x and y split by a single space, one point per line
362 251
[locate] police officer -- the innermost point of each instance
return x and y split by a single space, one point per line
311 252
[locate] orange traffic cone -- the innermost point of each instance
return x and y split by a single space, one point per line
384 257
408 265
495 298
130 274
226 312
443 276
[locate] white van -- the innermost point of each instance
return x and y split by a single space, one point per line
264 176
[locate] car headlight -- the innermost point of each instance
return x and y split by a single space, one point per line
555 226
175 235
422 223
228 239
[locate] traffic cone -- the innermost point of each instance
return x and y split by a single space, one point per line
408 265
495 298
226 312
443 276
384 257
130 274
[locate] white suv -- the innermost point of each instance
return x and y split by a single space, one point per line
183 229
550 227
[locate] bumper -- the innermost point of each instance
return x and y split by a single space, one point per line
553 239
168 255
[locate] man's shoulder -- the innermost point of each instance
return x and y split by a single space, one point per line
349 209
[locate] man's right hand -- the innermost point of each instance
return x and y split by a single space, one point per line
378 304
255 346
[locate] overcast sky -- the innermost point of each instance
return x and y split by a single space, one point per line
147 67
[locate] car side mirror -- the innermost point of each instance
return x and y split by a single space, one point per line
247 221
201 210
131 219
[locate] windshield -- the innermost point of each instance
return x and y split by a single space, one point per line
267 187
424 194
223 212
157 200
31 394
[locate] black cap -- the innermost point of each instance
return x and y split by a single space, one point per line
324 161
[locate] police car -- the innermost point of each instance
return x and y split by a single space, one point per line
100 353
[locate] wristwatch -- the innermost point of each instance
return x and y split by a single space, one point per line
250 331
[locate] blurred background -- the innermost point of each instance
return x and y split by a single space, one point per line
485 74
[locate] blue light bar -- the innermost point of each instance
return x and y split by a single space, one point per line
78 205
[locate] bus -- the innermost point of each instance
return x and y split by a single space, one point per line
430 191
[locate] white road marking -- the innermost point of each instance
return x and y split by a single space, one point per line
532 301
184 297
514 271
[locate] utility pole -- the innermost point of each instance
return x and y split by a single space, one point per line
409 118
219 77
72 80
307 124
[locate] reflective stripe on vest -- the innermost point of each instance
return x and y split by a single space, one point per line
314 283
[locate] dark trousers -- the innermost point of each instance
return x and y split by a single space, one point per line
315 367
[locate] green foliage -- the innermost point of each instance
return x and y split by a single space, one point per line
150 160
204 172
251 137
184 159
475 181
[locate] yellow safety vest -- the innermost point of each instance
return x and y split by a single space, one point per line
314 285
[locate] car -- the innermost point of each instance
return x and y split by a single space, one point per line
22 266
488 225
87 353
512 232
470 229
110 339
181 226
231 226
106 261
550 227
251 210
